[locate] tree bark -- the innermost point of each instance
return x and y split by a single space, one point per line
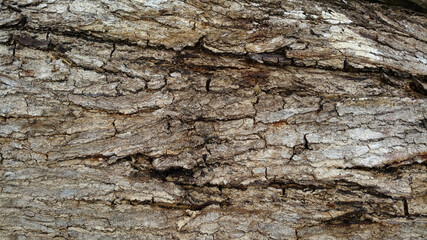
240 119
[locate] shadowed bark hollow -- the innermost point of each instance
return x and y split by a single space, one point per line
240 119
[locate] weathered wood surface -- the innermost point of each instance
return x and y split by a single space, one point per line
236 119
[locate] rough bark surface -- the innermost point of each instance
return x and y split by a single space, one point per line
240 119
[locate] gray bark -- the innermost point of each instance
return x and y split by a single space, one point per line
234 119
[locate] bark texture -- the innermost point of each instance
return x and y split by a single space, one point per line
240 119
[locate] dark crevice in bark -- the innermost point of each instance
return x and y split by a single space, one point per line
393 168
113 50
47 35
423 123
191 206
284 192
403 3
153 203
14 8
405 207
368 189
208 83
174 173
14 48
354 217
418 87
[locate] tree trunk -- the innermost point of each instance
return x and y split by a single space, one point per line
193 119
